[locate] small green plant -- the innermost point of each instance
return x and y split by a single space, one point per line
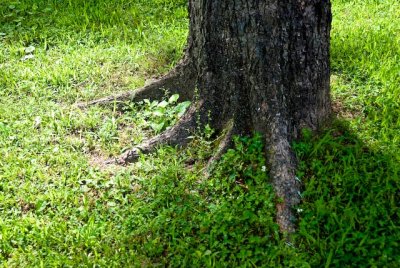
159 115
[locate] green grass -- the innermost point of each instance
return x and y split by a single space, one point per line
58 209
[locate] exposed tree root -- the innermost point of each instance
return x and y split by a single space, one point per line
281 162
180 80
177 135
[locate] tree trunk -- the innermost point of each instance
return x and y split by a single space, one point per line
258 66
264 64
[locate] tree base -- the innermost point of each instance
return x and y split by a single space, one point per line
280 158
262 65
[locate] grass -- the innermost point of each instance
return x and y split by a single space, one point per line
60 210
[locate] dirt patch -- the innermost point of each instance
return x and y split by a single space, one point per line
100 161
26 206
342 111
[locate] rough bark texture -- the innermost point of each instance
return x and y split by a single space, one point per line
259 66
265 64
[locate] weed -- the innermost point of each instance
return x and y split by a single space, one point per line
161 114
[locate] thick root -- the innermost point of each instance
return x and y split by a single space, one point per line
281 161
177 135
181 80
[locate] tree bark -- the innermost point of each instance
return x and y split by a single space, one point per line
258 66
265 64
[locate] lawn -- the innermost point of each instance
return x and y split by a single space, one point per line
59 207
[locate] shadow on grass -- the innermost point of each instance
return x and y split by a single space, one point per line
351 201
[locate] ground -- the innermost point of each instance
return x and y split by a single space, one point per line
59 208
